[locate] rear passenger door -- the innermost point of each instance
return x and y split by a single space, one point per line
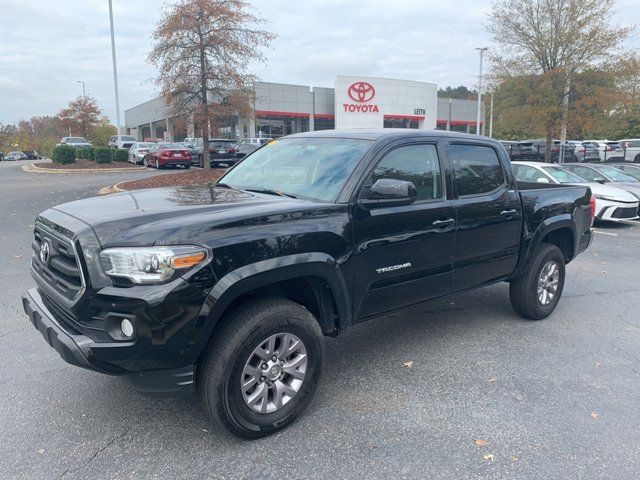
488 215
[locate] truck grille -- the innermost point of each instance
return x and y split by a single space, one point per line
56 263
625 213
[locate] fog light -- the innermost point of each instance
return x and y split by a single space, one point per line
127 328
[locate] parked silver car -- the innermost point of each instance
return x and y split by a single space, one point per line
138 151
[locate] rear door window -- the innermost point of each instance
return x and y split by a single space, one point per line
477 169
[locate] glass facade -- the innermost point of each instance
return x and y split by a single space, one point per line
324 123
274 126
399 123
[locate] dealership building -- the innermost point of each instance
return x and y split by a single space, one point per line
354 102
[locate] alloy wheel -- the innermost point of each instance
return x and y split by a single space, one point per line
548 282
274 373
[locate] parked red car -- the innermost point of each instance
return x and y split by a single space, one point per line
163 155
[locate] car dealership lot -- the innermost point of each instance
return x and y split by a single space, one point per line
405 396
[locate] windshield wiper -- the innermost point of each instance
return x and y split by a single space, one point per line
268 191
221 185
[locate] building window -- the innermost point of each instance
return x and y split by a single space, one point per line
441 126
274 126
324 123
399 123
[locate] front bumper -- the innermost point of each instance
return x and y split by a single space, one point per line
79 350
74 348
610 211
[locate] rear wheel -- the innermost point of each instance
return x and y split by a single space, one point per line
535 294
637 159
262 367
145 162
200 161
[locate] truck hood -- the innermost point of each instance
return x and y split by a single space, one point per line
172 215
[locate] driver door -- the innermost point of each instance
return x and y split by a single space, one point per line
404 254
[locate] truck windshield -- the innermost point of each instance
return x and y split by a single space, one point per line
314 168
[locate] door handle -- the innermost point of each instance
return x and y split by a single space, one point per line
508 213
443 223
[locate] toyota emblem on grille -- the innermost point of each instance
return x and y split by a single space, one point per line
45 252
361 91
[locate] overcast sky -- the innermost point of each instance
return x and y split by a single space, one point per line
44 50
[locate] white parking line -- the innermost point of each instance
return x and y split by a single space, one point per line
605 233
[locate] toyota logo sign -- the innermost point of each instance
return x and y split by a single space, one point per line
361 91
44 252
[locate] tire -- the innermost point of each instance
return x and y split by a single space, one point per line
231 351
187 167
145 162
637 159
524 290
200 161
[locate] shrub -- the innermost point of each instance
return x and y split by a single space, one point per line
64 154
88 153
103 155
120 155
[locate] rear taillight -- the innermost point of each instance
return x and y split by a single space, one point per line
593 208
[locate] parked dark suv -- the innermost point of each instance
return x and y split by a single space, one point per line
536 150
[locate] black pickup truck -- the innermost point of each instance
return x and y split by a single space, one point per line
232 286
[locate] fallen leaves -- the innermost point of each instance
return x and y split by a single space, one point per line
595 415
17 257
408 364
492 380
489 457
481 443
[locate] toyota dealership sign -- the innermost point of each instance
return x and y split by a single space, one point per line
368 102
361 93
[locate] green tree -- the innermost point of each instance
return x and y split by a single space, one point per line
460 92
102 132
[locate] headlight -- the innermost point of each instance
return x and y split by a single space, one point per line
150 265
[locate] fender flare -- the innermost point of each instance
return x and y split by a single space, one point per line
268 272
547 226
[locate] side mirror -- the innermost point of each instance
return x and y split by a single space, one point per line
601 181
543 180
388 192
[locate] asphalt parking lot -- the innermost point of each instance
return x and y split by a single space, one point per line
406 396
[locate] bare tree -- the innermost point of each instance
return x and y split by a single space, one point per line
202 50
556 39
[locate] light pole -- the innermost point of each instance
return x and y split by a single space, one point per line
491 118
481 50
84 92
115 69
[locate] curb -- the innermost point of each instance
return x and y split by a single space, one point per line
111 189
32 168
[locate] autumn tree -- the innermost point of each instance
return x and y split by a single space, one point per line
556 40
202 50
81 115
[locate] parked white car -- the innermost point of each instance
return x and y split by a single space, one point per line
632 149
612 204
138 151
77 142
258 141
125 141
15 156
608 150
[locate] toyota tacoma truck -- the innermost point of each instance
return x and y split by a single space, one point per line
231 287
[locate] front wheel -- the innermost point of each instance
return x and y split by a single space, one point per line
535 294
262 368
